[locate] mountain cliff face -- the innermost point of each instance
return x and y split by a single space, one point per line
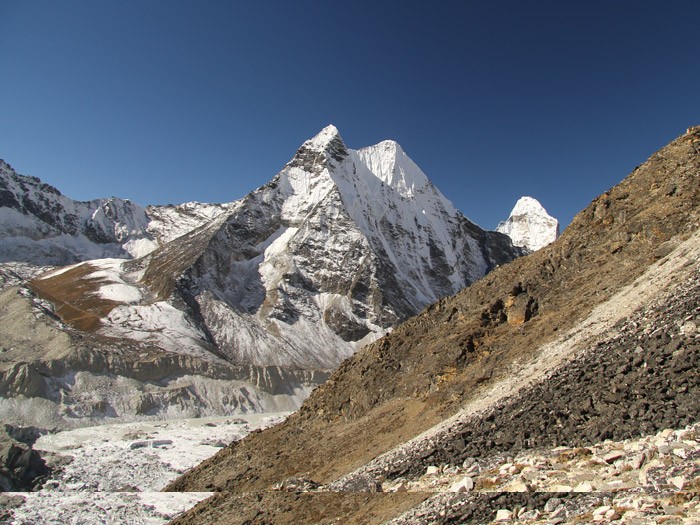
340 246
40 226
44 227
336 249
529 225
542 352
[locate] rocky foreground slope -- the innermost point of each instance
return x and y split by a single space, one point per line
590 338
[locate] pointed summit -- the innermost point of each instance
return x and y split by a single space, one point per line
314 153
529 225
388 162
324 138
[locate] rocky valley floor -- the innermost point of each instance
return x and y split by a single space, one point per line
112 474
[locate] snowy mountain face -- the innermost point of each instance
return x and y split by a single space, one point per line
172 221
529 225
330 254
43 227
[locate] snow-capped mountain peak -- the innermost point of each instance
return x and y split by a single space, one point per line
388 162
528 206
529 225
324 137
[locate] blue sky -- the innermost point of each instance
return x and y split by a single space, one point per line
170 101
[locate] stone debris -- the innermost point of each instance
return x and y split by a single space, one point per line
464 485
635 481
297 485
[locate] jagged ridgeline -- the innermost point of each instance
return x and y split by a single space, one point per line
224 308
550 349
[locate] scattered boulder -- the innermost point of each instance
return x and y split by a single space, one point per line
297 485
464 485
504 515
21 467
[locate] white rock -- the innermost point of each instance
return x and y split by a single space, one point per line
517 486
689 328
432 470
681 453
585 486
637 461
504 515
612 515
464 485
678 481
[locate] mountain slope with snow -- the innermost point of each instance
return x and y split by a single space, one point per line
529 225
336 249
41 226
340 246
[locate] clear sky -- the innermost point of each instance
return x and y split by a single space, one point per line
166 101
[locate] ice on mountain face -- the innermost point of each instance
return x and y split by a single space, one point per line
529 225
391 166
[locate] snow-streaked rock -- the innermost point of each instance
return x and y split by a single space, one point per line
529 225
41 226
325 258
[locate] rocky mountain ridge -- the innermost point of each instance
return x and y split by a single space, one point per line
517 339
43 227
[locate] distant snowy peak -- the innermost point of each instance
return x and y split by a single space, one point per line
41 226
529 225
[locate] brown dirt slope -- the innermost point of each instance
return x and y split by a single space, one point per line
434 363
75 298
